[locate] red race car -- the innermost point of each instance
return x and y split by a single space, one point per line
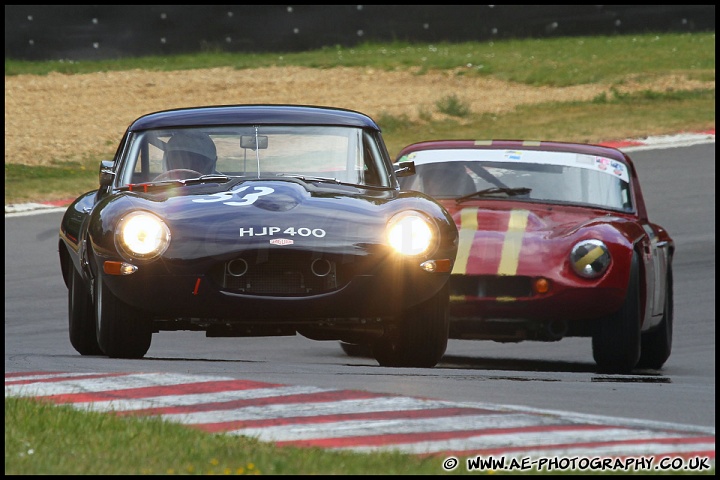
555 241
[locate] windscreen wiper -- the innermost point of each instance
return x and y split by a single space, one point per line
212 177
309 178
510 192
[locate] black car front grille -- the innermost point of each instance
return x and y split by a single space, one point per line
279 273
491 286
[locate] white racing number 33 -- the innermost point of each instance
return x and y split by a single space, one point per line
247 199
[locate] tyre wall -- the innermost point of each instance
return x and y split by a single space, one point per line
100 32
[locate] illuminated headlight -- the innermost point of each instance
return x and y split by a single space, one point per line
590 258
142 235
411 233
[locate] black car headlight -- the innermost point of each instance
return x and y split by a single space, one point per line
411 233
142 235
590 258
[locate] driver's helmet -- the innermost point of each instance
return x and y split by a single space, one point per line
191 150
447 179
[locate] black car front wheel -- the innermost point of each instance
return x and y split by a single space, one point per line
122 331
616 341
421 337
81 320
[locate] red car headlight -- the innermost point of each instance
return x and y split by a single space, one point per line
590 258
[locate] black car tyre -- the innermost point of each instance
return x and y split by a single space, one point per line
421 338
81 320
122 331
356 350
616 341
656 345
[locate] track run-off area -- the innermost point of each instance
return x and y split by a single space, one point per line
360 421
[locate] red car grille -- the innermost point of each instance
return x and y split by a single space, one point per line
490 286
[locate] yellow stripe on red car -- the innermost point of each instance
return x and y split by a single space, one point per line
486 244
509 251
468 227
513 242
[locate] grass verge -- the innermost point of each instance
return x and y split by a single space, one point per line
45 439
602 119
555 62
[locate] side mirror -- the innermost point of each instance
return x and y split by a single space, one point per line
106 173
248 141
405 169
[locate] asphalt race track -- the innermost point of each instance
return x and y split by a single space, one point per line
526 399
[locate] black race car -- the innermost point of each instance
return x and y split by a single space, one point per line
257 220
